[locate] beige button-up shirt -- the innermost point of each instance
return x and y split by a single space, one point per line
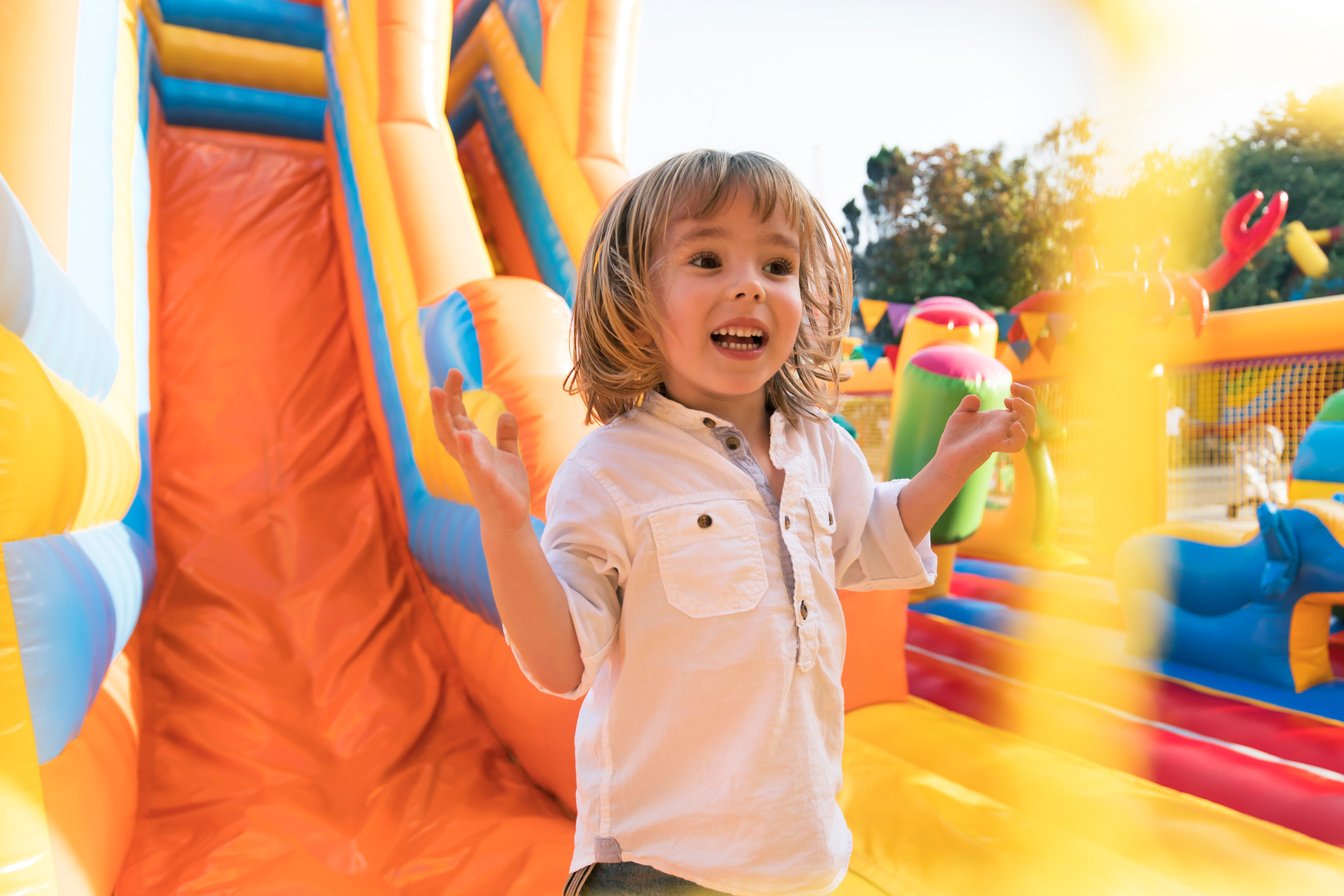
708 744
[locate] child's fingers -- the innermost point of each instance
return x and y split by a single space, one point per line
506 433
1023 410
1024 392
453 386
443 422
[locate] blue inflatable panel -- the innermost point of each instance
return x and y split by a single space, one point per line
989 569
548 249
76 600
449 334
969 611
445 537
1320 456
462 118
524 18
278 21
231 108
465 19
148 62
1325 700
139 518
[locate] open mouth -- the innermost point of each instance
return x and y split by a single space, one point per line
739 339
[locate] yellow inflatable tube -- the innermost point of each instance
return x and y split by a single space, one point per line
210 56
413 40
604 112
562 68
396 288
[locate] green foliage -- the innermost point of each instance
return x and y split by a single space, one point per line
1297 147
975 223
994 229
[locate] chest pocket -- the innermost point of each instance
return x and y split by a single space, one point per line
709 557
822 514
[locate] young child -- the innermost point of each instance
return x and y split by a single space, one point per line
686 580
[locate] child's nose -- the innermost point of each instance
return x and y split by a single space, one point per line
749 287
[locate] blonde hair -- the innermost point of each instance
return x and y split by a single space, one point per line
616 359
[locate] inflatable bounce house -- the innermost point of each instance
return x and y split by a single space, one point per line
247 641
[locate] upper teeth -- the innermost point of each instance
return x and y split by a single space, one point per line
738 331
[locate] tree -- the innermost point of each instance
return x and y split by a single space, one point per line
976 223
994 229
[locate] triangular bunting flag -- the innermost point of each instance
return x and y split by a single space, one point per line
1017 333
872 353
896 315
1032 323
1046 345
891 351
857 354
1021 348
1006 323
1005 354
1061 325
871 310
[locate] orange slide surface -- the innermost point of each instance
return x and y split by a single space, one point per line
304 725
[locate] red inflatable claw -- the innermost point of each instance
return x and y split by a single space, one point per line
1196 300
1240 242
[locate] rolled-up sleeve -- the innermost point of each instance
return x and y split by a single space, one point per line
585 546
872 549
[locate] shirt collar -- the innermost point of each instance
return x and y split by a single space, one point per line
676 413
691 420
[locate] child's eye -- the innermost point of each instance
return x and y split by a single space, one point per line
780 267
704 260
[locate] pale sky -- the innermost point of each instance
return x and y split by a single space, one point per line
823 84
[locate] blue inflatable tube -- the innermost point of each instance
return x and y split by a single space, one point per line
278 21
449 335
232 108
524 21
76 600
543 236
465 18
1320 455
40 304
445 537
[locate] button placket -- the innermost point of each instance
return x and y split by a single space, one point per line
805 630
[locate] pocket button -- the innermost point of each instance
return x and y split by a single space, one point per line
705 521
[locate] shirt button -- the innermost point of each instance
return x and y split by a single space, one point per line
733 443
802 609
786 522
705 521
709 422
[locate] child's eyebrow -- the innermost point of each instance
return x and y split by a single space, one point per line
773 238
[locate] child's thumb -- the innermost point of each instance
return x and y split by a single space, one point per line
970 404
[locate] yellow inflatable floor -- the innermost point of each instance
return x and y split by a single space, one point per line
942 804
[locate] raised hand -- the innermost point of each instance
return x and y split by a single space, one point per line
495 473
970 437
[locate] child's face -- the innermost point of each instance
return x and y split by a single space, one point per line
728 288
